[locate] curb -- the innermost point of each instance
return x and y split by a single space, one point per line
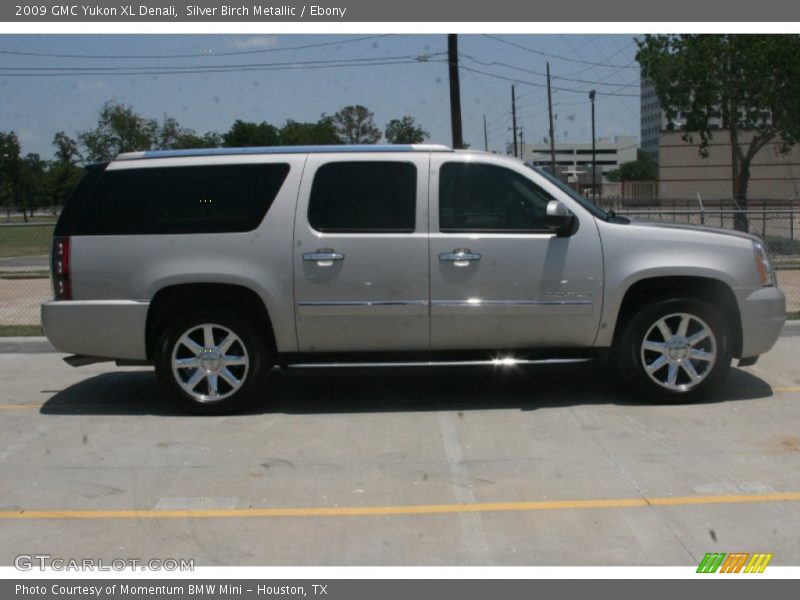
25 345
791 328
41 345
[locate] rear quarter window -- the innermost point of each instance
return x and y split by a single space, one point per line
175 200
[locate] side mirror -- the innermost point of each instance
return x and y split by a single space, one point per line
560 219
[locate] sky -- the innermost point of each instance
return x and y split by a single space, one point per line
51 83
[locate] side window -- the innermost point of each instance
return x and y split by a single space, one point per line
481 197
175 200
363 197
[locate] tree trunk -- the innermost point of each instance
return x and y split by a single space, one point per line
740 176
741 221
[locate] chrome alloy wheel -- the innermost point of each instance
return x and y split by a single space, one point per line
209 362
679 351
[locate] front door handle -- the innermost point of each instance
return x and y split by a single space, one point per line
460 257
324 257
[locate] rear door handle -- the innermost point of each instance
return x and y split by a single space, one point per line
460 257
323 257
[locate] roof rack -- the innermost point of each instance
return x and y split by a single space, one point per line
374 148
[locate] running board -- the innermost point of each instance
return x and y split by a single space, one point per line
81 360
495 362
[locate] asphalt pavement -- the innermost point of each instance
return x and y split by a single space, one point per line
555 465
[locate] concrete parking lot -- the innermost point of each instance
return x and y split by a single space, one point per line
445 466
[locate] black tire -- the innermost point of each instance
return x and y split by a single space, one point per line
633 359
250 350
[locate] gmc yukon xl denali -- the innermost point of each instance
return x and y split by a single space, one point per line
217 265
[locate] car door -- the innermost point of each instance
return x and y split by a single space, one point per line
499 277
361 253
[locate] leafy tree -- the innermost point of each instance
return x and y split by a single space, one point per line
32 187
750 82
323 132
170 133
405 131
9 169
190 139
119 129
356 125
64 172
243 134
66 149
641 169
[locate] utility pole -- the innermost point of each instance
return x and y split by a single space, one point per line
521 143
455 91
594 148
514 118
485 135
552 134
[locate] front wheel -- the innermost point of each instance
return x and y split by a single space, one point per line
675 350
212 362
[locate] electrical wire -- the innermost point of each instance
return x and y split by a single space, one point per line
555 56
202 55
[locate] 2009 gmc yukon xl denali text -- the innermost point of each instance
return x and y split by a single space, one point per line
217 265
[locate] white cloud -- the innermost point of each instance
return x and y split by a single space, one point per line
252 42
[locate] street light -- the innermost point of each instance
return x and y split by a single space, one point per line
594 150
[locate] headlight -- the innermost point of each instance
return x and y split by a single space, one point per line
765 272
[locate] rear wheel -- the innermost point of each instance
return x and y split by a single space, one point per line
212 362
675 350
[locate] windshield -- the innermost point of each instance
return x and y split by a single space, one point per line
583 201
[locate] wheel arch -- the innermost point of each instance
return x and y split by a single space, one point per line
712 291
172 301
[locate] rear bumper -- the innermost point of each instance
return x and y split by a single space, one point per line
763 314
102 328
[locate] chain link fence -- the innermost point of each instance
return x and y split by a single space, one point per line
25 248
24 274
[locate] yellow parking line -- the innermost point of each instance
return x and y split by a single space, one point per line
420 509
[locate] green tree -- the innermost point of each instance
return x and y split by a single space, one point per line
190 139
244 134
323 132
32 188
750 82
170 133
9 170
64 172
66 149
356 125
119 129
641 169
405 131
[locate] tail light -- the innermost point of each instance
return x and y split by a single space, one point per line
62 284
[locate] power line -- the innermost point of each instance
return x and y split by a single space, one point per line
539 85
206 70
203 70
531 72
547 54
161 56
213 68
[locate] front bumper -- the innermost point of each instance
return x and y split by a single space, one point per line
102 328
763 313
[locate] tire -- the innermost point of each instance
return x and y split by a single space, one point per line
675 350
223 373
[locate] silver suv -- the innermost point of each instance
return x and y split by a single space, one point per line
218 265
